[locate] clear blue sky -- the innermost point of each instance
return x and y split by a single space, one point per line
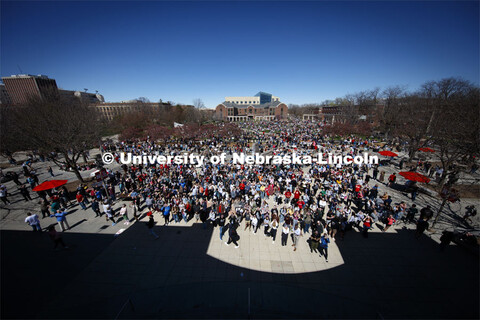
300 51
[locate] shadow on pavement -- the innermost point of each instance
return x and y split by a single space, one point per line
388 275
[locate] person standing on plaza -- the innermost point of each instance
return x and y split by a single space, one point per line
81 200
56 237
297 232
390 221
382 176
426 213
221 225
150 225
367 225
375 172
124 214
392 179
50 171
33 221
248 220
422 225
3 194
109 215
24 192
61 219
149 202
266 224
285 232
134 208
314 241
232 234
324 241
44 204
166 213
274 227
307 222
96 208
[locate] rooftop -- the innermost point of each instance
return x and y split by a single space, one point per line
244 106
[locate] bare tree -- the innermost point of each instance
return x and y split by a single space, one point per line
11 138
143 100
388 116
67 127
198 103
454 124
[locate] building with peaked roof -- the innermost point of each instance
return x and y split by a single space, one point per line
262 106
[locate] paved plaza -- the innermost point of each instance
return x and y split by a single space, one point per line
190 273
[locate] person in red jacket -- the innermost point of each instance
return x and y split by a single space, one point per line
296 195
81 200
288 194
392 179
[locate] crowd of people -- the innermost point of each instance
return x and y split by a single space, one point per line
325 201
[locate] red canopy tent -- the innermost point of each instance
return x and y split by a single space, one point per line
49 184
426 150
415 176
388 153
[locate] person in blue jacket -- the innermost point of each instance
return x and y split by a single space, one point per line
166 213
61 219
324 241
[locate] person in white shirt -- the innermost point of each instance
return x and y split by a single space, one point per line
285 232
254 223
33 221
274 227
297 232
124 214
3 194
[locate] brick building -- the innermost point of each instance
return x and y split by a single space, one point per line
262 106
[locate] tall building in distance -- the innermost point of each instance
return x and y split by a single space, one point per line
4 97
23 86
19 88
90 98
262 106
